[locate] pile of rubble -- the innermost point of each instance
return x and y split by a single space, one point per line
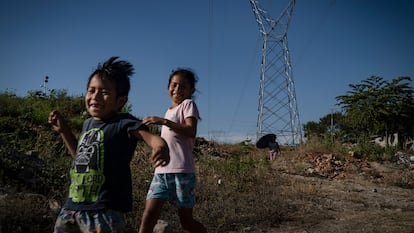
403 158
209 148
328 166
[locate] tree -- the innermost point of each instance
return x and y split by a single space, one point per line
330 123
378 107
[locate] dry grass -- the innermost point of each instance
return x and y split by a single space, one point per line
239 190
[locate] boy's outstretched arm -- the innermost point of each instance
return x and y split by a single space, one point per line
160 152
59 125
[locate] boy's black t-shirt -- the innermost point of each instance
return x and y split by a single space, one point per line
100 173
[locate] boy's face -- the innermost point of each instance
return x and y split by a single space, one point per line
101 99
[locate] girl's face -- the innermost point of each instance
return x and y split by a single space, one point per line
101 99
179 89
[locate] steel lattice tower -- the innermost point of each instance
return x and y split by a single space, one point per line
278 111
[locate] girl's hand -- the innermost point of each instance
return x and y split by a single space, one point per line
153 120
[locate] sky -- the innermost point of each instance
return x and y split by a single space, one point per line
332 44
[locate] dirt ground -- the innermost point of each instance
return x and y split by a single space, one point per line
320 193
351 197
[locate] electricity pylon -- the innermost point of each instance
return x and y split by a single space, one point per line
278 111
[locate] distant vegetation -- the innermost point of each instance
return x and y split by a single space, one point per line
373 108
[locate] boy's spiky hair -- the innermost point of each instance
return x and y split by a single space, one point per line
118 72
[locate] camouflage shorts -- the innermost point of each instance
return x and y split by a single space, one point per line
102 221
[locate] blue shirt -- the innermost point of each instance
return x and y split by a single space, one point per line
100 173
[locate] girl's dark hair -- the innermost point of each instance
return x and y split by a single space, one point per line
118 72
185 73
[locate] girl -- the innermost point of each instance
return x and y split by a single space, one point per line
176 181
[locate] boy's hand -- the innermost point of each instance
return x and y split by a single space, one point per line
160 156
57 122
59 125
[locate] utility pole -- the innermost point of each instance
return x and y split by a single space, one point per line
277 111
44 85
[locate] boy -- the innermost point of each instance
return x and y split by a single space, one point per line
101 189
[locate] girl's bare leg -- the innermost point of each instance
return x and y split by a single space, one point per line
152 212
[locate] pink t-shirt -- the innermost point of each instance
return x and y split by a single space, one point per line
181 147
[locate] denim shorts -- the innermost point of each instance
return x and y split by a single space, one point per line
80 221
177 188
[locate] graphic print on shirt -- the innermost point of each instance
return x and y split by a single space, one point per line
86 173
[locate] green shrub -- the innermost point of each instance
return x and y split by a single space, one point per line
373 152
